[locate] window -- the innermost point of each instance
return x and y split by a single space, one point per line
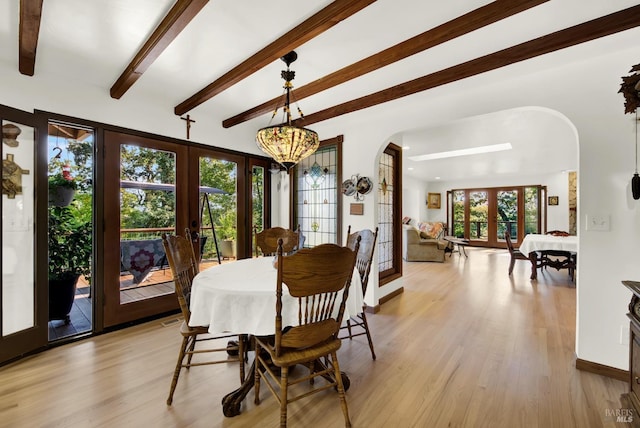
389 218
316 199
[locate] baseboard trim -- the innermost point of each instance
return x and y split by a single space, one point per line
375 309
391 295
612 372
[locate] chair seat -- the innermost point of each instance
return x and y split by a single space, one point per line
520 255
292 357
185 330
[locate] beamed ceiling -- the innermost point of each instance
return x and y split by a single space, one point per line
212 58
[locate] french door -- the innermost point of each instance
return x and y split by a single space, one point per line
218 203
154 187
24 291
483 215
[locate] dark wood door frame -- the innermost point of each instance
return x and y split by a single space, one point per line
34 338
114 312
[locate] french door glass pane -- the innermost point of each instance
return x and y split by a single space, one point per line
18 281
257 201
458 213
478 215
147 210
531 210
218 204
507 213
70 153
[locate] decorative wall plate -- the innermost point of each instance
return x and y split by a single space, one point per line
364 185
348 187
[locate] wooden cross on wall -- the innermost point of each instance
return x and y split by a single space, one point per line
189 122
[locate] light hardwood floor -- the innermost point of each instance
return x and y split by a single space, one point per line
463 346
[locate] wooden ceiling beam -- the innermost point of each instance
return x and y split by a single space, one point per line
56 130
310 28
30 16
182 12
591 30
478 18
67 132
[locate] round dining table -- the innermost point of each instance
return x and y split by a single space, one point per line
240 297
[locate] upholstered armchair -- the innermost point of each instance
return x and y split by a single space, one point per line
417 248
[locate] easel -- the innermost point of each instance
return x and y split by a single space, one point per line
205 199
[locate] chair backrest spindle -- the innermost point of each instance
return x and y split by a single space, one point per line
184 266
365 252
321 292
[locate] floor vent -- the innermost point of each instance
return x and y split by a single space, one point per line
171 322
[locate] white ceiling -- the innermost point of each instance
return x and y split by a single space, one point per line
93 41
543 141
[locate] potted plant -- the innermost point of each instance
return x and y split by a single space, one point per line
62 188
227 231
70 249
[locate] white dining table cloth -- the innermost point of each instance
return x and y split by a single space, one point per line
536 242
240 297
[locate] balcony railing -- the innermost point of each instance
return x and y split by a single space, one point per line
478 230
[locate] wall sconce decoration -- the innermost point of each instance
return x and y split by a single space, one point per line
552 200
357 187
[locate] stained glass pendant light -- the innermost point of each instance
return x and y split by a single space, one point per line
285 143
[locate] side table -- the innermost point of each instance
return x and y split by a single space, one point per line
459 242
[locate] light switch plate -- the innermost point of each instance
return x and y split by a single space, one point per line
597 222
624 335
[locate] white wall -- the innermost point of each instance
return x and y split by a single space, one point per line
585 91
414 199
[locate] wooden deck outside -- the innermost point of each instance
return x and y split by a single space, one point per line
157 283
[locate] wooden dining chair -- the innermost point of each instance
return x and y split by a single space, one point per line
267 240
184 267
363 264
319 278
515 253
557 233
564 257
